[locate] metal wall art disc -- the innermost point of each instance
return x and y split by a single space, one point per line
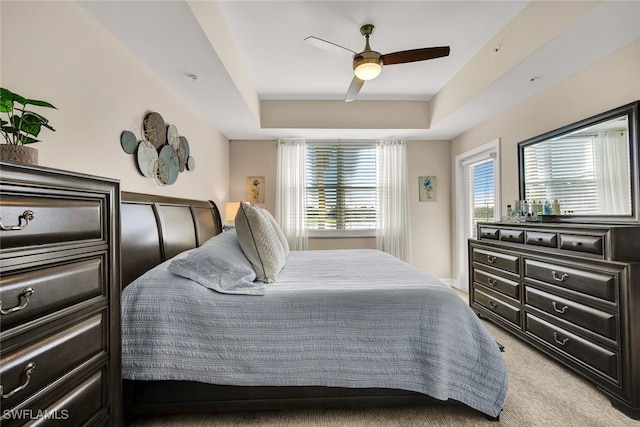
128 141
191 163
173 137
180 158
147 158
154 130
161 174
185 144
167 159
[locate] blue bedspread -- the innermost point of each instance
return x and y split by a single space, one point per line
339 318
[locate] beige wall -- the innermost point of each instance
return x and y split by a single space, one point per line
609 83
430 221
64 56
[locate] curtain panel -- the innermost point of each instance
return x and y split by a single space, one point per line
291 211
393 234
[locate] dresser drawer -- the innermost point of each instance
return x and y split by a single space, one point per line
53 220
31 294
515 236
28 369
598 284
497 306
500 284
81 404
489 233
538 238
595 320
496 259
596 357
582 243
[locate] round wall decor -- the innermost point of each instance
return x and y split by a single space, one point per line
162 153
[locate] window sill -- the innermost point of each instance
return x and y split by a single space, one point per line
344 234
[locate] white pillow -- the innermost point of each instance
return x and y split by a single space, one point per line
278 230
219 264
259 242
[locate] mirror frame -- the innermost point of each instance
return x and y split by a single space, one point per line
631 111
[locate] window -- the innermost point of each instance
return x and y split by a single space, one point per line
553 172
480 193
572 171
341 187
477 199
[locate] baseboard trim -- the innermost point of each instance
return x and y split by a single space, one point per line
453 283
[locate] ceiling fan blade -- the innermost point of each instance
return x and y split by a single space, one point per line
414 55
328 46
354 89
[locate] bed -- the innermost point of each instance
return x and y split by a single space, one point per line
338 328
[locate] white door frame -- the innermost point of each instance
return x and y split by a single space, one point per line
489 150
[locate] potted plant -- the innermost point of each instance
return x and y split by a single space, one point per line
21 128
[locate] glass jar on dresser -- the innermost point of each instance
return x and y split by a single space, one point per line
59 297
570 290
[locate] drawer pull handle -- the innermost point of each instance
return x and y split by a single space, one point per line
26 293
492 282
26 216
577 243
561 342
559 278
539 239
559 310
28 370
493 304
491 259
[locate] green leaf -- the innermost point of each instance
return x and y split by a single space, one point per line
6 100
6 93
28 140
28 124
38 103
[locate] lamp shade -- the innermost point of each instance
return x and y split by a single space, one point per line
367 68
230 210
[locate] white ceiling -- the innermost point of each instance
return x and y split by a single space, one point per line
244 52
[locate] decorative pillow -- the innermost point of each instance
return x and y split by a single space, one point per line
278 230
219 264
259 242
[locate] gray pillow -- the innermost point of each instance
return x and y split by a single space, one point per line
259 242
219 264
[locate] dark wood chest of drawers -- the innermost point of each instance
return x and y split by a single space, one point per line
59 298
572 291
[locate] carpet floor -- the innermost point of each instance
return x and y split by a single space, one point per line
541 393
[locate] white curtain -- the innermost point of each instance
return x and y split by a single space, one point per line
612 172
393 228
291 192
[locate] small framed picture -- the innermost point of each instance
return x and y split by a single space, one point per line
428 189
255 189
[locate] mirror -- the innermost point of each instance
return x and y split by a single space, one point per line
590 168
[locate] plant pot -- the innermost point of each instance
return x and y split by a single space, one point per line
18 154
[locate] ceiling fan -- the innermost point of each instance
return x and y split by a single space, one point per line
367 64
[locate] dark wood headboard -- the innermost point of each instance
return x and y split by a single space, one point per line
156 228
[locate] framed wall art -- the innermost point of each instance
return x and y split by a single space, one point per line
255 189
428 189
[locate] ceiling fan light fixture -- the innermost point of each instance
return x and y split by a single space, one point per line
367 68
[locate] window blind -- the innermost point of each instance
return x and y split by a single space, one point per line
479 180
563 170
341 186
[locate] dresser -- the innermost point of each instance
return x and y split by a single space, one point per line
570 290
59 298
